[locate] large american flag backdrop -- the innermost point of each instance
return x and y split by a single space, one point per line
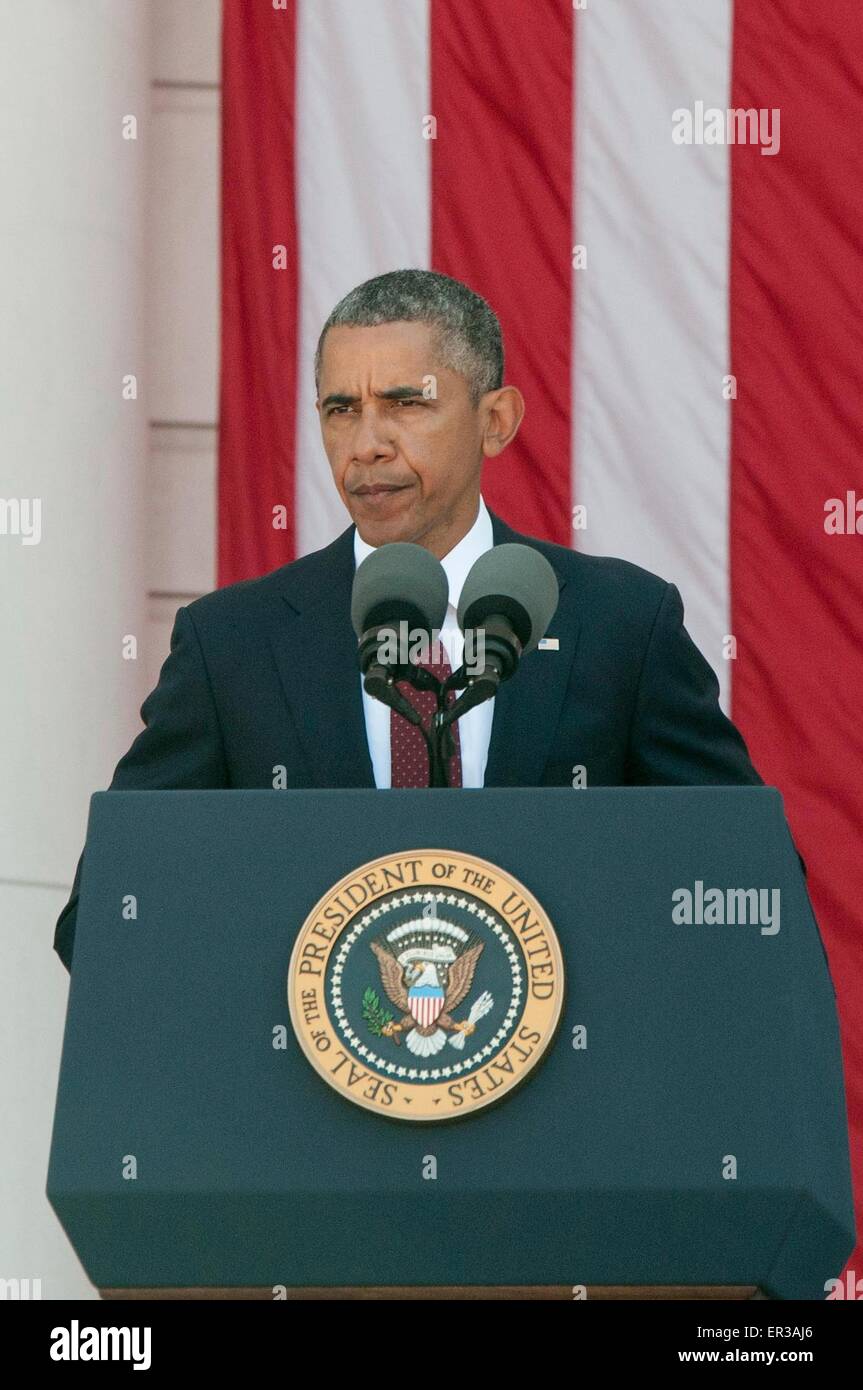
684 320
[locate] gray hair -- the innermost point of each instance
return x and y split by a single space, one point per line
468 332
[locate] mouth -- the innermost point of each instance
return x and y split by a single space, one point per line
378 494
378 489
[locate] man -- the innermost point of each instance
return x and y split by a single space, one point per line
262 685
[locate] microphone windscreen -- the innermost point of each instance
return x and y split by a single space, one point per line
517 581
399 581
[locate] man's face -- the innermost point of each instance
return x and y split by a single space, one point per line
406 452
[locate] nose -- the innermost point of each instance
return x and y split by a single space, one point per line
371 440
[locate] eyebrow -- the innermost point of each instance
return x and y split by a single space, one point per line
393 393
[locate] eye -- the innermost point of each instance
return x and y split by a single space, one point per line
409 400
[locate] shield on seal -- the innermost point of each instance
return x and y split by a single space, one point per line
425 1003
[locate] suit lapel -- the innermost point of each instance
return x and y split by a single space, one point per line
527 707
315 648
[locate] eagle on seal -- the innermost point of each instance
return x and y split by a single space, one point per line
427 986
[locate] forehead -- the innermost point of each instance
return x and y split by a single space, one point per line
401 350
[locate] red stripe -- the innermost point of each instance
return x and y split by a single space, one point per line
797 353
259 303
501 84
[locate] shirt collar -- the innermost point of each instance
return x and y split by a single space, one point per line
458 563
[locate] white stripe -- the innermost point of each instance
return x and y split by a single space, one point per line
362 189
651 427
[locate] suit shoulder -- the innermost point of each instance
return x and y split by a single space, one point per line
247 597
621 577
605 578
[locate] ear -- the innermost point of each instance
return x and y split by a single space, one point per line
502 411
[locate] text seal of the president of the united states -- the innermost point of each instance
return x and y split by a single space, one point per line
426 985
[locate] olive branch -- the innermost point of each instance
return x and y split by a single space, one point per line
375 1015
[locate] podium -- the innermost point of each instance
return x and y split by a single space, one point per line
683 1135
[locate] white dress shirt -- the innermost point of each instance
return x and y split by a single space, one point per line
474 727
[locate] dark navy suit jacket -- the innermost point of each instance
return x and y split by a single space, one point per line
264 674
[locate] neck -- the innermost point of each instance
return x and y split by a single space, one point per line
441 542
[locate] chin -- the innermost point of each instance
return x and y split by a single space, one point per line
381 535
383 531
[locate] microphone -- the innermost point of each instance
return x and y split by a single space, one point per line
397 583
400 584
511 595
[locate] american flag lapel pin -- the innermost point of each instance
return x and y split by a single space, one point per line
549 644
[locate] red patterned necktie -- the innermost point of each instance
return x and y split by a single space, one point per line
409 755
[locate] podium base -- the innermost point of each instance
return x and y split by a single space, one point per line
426 1293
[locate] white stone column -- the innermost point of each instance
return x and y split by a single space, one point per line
72 258
71 308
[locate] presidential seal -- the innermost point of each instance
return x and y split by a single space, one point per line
426 985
